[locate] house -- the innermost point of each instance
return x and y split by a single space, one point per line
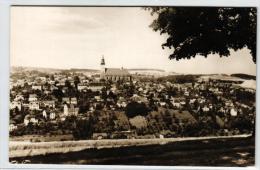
98 136
26 121
186 93
36 87
176 104
34 120
20 82
34 105
82 86
74 101
52 115
65 89
19 97
63 117
123 134
182 103
30 119
95 87
43 79
205 108
71 110
97 98
48 103
65 110
47 92
162 104
16 104
233 112
12 127
229 104
32 97
44 114
51 82
61 83
66 100
53 88
121 104
192 101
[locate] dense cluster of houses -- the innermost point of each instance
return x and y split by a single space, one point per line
38 98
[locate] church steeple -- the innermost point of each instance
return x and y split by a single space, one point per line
102 65
102 61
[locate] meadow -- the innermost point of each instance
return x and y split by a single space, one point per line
205 151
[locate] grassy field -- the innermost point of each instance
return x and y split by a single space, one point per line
210 152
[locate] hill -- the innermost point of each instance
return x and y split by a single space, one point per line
150 72
244 76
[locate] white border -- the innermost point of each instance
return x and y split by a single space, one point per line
4 71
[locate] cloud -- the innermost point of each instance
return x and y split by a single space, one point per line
73 20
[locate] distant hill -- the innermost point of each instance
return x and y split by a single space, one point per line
244 76
40 69
150 72
47 70
83 70
146 69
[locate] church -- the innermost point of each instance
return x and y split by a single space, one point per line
114 74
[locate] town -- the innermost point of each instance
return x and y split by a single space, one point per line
112 103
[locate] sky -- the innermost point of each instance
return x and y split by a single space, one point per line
77 37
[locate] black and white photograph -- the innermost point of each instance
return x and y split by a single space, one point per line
132 85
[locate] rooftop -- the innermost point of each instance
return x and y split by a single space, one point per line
116 71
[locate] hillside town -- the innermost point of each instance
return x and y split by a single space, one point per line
114 104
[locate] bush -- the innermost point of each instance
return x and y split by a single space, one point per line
133 109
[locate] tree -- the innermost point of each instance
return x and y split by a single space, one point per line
133 109
67 84
76 81
58 94
83 130
206 30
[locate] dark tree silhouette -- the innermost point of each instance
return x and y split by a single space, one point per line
76 81
83 130
205 30
133 109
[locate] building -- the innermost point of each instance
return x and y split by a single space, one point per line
70 110
70 100
32 97
44 114
19 97
37 87
12 126
96 87
73 100
48 103
34 105
114 74
52 115
82 86
16 104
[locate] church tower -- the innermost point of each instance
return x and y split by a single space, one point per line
102 64
102 67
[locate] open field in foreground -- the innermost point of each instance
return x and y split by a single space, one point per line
236 151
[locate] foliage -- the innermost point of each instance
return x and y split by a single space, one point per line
84 129
244 96
179 78
76 81
134 109
205 30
